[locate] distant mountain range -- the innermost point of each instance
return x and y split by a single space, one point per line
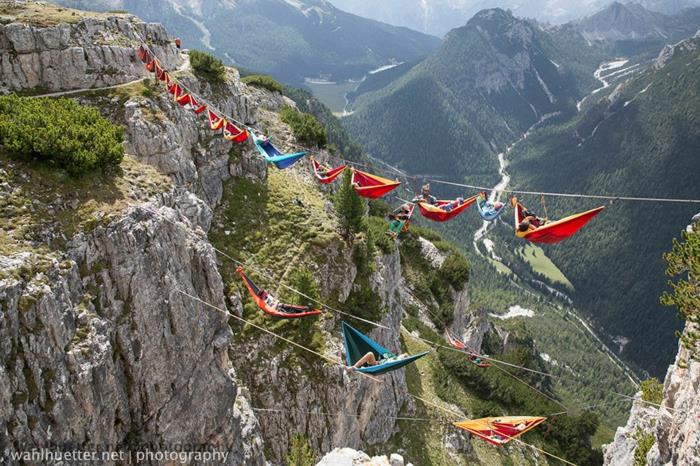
439 16
290 39
634 22
489 82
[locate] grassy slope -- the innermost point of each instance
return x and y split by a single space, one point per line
43 198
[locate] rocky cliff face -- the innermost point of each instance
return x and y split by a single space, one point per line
99 345
674 426
76 53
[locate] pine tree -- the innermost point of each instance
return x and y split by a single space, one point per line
684 265
304 282
349 206
300 453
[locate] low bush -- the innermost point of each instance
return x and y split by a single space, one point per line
306 128
455 269
207 66
652 390
59 132
264 81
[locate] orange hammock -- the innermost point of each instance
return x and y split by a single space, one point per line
215 121
437 212
286 311
326 174
552 232
500 430
372 186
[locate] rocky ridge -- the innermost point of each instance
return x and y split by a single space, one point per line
675 425
83 52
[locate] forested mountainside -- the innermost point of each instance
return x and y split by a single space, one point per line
291 40
640 140
489 82
437 17
639 133
120 322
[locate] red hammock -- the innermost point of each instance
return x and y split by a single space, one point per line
500 430
175 90
553 232
437 213
234 133
330 173
187 99
292 311
151 66
199 109
473 357
161 74
143 54
215 121
372 186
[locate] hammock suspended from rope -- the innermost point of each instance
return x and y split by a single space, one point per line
215 121
176 91
403 225
143 54
372 186
161 74
488 210
473 357
357 344
500 430
284 311
326 174
233 133
552 232
272 155
437 213
407 223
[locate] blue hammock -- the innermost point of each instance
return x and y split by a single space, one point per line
487 210
358 344
272 155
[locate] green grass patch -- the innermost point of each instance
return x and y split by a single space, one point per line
542 265
43 198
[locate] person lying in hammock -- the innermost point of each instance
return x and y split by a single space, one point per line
488 207
398 217
452 205
370 359
425 196
276 305
530 221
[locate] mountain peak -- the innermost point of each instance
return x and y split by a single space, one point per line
624 21
492 15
